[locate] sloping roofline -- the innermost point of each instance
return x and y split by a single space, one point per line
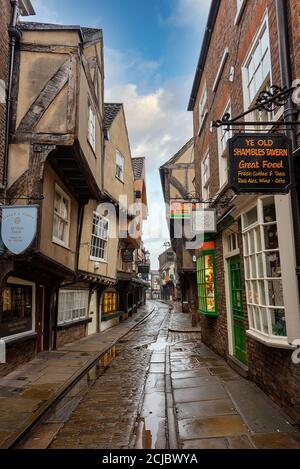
212 16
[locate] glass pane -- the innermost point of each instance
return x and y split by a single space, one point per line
275 293
250 293
253 267
255 293
269 210
278 322
264 318
260 265
258 239
252 245
246 248
251 319
271 237
257 318
273 264
262 293
250 217
247 266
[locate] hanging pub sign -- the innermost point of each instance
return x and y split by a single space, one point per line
204 220
127 255
260 163
18 228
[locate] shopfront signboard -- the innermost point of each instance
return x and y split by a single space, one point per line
143 268
19 226
260 163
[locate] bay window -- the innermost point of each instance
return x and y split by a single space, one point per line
110 304
263 273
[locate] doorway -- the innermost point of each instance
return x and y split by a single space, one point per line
93 310
41 318
236 304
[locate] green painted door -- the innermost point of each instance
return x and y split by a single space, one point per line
236 299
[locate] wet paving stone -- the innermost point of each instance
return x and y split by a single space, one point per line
205 409
205 443
222 426
201 393
276 440
194 382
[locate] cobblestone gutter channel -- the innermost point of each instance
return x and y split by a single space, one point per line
65 400
101 410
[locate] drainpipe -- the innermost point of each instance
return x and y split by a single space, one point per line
290 111
15 35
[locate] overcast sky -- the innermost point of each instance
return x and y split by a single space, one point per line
151 52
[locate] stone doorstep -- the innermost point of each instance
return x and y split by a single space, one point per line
38 407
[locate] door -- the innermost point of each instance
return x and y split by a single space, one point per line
41 318
92 327
236 300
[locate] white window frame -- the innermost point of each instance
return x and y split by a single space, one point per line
202 108
223 136
256 115
240 5
205 175
61 192
91 126
102 238
122 166
68 314
261 303
18 281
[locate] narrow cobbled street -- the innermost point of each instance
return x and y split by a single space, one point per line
160 387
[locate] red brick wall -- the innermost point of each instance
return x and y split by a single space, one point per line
5 9
70 334
272 369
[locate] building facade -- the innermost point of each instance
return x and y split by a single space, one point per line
69 156
168 278
248 295
178 184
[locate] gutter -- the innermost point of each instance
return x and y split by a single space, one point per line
212 16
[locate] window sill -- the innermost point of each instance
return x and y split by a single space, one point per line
23 337
208 315
60 243
280 342
67 325
108 317
95 259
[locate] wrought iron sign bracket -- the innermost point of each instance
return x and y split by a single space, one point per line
268 100
194 197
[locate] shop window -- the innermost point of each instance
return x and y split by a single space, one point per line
61 219
263 270
72 305
99 238
206 283
110 303
17 308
